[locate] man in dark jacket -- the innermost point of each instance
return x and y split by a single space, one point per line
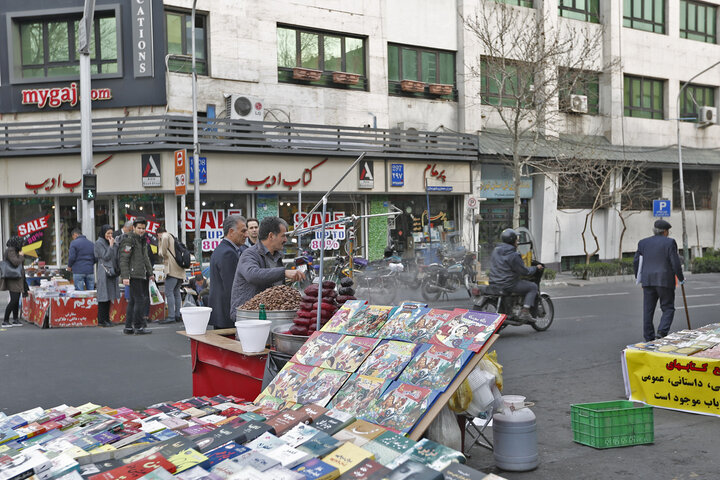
506 268
656 265
260 266
81 261
223 262
135 271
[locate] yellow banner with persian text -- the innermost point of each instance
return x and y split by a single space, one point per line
674 381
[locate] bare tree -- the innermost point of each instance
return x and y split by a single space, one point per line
527 64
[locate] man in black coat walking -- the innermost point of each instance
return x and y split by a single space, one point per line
223 263
656 265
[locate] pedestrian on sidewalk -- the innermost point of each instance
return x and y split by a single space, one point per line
656 264
107 278
136 271
174 275
16 286
81 261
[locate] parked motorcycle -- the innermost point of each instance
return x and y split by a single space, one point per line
446 276
490 298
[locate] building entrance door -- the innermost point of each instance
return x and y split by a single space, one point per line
496 217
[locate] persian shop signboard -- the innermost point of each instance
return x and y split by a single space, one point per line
56 96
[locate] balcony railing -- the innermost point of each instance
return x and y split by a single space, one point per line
173 132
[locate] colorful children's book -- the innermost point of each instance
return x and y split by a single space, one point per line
320 386
349 353
402 321
432 454
387 360
347 456
269 401
358 393
401 406
338 321
434 366
468 331
316 469
317 348
368 321
288 381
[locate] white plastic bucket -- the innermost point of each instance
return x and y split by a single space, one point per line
195 319
253 334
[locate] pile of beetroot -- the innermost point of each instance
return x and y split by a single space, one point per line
305 322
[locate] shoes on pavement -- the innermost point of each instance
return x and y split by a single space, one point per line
6 324
128 331
525 316
143 331
105 324
166 321
17 322
178 319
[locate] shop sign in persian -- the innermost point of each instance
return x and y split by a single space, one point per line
151 170
50 183
497 182
366 175
288 181
73 312
333 233
397 175
678 382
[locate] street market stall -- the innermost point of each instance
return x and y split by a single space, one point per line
678 372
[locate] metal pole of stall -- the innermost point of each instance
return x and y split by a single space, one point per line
299 239
697 231
322 256
196 147
427 198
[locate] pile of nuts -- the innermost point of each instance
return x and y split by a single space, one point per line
280 297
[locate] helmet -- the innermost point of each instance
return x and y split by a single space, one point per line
509 236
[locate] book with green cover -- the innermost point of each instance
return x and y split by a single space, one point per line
430 453
320 445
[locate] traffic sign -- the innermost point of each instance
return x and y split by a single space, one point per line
662 208
397 174
472 202
203 170
180 172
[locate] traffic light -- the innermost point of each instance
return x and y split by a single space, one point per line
89 186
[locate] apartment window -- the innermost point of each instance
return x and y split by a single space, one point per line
648 15
329 53
579 82
504 83
644 97
48 48
420 64
698 21
585 10
577 191
647 187
519 3
697 181
178 26
693 97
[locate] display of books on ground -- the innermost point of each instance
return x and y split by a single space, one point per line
361 362
93 442
700 342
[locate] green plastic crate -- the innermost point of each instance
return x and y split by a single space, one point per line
612 424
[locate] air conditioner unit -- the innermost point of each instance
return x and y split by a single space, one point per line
708 115
411 125
243 107
578 103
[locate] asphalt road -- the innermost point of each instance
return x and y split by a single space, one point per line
576 361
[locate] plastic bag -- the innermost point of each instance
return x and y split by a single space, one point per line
189 301
155 297
445 430
490 364
462 397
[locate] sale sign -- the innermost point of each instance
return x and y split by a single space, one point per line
32 231
333 233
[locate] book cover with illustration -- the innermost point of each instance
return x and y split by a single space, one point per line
368 321
359 432
316 469
387 360
430 453
358 393
468 331
337 322
349 353
223 452
320 386
288 381
424 328
317 348
401 406
268 402
434 366
187 459
402 320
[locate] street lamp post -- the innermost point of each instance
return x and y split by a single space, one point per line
686 251
196 153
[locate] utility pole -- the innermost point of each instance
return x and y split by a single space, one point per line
196 149
84 34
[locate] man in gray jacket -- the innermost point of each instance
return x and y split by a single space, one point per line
260 266
506 268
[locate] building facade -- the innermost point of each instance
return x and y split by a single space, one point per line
289 94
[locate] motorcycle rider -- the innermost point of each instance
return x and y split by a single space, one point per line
506 268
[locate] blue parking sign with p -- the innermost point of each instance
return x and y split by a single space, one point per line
661 208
